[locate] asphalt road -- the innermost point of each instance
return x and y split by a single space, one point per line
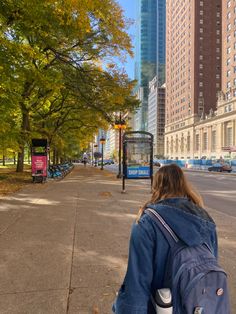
218 190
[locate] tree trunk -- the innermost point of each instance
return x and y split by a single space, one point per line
57 158
54 156
25 125
14 156
20 159
49 158
24 135
3 159
29 155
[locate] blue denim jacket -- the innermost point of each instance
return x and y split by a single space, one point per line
148 251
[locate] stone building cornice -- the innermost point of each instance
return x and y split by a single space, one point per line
219 115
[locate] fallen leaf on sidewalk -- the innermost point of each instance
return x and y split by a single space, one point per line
105 194
95 310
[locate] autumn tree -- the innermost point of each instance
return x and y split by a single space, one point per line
56 54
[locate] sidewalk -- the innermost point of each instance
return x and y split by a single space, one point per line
64 245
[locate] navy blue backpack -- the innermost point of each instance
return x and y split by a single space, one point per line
198 284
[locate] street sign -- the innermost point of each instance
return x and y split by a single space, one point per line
137 156
138 172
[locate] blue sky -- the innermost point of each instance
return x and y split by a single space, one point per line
129 8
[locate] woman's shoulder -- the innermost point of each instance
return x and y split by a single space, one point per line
145 225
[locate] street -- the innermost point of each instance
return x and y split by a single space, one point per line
217 190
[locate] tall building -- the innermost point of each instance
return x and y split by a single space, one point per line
149 52
229 49
193 70
156 116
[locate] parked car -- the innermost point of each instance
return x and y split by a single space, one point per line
105 162
110 162
220 167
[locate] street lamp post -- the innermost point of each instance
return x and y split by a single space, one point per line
102 142
95 158
120 125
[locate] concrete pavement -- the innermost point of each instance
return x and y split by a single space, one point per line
64 245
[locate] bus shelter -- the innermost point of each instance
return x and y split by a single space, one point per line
137 156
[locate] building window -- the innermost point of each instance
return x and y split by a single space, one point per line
204 141
182 144
228 84
176 144
188 143
228 38
213 140
229 136
197 142
171 146
228 96
228 73
229 27
228 62
228 15
228 4
228 50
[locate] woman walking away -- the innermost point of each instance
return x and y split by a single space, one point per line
182 209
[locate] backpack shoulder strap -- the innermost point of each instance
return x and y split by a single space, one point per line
163 226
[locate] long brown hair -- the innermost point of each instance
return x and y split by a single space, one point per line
169 181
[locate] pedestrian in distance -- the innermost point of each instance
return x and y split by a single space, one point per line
172 265
85 160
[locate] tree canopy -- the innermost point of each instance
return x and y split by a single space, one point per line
58 76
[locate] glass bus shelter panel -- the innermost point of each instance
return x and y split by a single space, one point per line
138 154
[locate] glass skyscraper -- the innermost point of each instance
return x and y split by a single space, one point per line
149 51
